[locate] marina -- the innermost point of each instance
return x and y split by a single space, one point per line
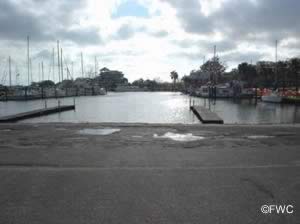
155 107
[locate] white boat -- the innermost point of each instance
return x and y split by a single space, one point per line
203 91
272 98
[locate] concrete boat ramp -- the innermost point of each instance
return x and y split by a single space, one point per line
206 116
35 113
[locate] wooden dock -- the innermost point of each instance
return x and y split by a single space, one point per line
35 113
206 116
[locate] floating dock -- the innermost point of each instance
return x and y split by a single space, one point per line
35 113
206 116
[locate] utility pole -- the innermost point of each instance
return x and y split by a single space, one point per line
58 61
9 68
28 61
82 73
62 64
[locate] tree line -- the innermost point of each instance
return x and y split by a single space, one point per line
263 74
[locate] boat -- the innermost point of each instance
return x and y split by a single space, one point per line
203 91
273 97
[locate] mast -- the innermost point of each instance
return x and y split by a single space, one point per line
276 49
72 69
28 60
39 72
31 70
53 65
42 71
61 65
95 66
9 68
58 61
276 59
215 51
82 73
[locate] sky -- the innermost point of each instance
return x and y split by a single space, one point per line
143 38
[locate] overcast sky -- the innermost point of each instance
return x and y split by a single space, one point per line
145 38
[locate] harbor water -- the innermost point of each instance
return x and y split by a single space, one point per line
154 107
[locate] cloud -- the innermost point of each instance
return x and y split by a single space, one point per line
154 36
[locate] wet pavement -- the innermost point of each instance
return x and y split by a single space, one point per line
138 173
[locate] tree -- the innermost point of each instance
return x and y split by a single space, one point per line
174 77
247 73
110 79
266 73
294 68
215 68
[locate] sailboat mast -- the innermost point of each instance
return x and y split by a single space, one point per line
28 61
42 71
72 69
95 66
53 65
61 64
58 61
9 68
276 51
31 76
82 74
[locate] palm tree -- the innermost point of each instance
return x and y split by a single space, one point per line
174 77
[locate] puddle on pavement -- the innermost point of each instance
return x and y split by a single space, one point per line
259 136
104 131
179 137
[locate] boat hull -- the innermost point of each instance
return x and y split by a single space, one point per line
272 99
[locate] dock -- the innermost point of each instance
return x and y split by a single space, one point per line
206 116
36 113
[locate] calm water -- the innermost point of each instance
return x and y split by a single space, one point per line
154 108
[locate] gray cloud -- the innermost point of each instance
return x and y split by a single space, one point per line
239 20
44 21
127 31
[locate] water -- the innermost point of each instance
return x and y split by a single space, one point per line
189 137
156 107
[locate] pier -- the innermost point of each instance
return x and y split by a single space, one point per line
206 116
35 113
